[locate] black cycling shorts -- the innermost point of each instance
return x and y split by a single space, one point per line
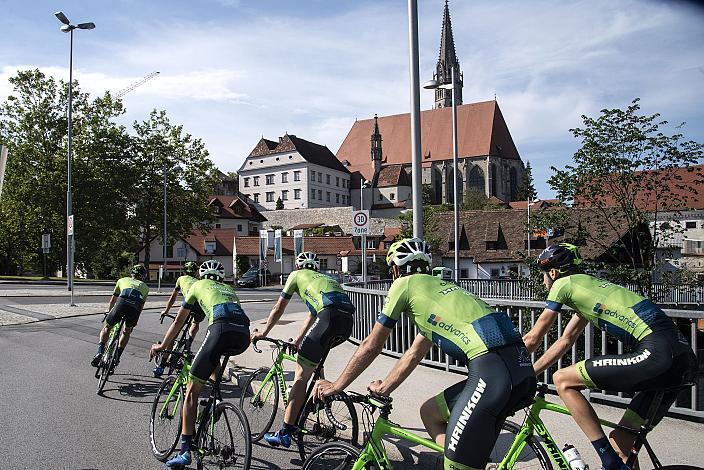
332 327
220 337
123 309
663 359
498 383
197 312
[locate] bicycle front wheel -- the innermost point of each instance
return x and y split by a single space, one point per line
531 456
224 439
165 420
332 456
106 363
259 400
315 427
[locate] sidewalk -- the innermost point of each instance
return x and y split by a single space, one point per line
674 441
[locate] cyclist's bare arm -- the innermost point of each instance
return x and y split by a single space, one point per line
274 316
170 302
542 325
404 366
113 299
572 331
172 331
310 319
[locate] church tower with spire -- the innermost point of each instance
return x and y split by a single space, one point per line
376 146
447 60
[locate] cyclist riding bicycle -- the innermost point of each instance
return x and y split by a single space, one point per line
332 319
183 284
660 356
127 302
228 330
463 418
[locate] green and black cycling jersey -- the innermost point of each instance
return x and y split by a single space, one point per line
132 291
317 290
461 324
612 308
184 283
218 301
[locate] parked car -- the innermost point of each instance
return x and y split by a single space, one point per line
252 277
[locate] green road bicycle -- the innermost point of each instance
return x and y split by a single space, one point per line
267 385
222 439
108 361
517 447
171 363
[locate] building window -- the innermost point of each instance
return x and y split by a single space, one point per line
296 193
337 198
381 197
692 224
246 182
284 195
323 263
392 196
327 179
371 243
312 175
218 225
239 227
256 181
210 247
320 195
337 181
327 196
284 177
269 179
169 251
344 199
464 273
320 177
256 197
270 196
312 193
296 175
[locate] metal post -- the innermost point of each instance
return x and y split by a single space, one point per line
69 193
415 120
529 203
455 172
364 239
163 270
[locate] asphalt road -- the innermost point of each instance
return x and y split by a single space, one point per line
51 417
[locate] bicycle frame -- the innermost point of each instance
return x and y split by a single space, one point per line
181 380
277 371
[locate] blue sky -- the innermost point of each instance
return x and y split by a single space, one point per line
232 71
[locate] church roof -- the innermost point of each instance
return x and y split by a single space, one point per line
310 151
481 131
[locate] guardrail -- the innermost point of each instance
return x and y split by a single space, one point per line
593 342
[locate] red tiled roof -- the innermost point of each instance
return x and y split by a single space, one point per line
523 205
312 152
320 245
390 233
482 131
236 207
391 175
223 238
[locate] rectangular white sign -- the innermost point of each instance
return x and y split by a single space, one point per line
360 223
297 242
69 225
46 241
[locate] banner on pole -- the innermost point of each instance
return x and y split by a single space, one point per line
277 246
234 257
297 242
263 244
3 162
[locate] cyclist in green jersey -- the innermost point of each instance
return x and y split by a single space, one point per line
659 355
329 324
183 284
462 418
228 330
127 302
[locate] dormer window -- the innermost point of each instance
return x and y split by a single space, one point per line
210 247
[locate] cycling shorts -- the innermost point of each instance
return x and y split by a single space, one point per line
498 383
197 312
663 359
332 327
124 309
220 337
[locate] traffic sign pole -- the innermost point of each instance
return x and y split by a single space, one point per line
360 226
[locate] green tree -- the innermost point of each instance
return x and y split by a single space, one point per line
241 264
526 190
279 204
626 171
430 228
160 147
474 200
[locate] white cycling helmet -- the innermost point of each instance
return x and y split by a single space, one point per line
411 254
307 259
212 269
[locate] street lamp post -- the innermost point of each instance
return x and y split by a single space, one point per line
416 148
70 242
431 85
364 186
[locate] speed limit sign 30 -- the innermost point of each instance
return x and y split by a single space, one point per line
360 223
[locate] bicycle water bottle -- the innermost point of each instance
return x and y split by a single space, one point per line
573 458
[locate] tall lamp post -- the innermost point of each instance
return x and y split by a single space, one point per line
365 185
70 245
431 85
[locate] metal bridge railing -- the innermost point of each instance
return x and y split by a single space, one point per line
593 342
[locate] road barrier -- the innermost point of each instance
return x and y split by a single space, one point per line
369 301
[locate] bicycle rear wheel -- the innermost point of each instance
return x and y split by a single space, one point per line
315 427
332 456
532 456
165 420
260 400
224 441
106 363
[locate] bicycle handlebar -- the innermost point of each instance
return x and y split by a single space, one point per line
277 342
354 397
167 315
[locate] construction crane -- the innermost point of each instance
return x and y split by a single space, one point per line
141 82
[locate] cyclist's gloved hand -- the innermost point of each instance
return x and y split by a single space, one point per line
377 388
155 349
324 388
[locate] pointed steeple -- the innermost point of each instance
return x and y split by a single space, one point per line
447 60
376 146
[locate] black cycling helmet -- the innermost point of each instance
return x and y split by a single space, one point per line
560 256
190 268
138 271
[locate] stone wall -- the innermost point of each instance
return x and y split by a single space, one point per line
341 216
